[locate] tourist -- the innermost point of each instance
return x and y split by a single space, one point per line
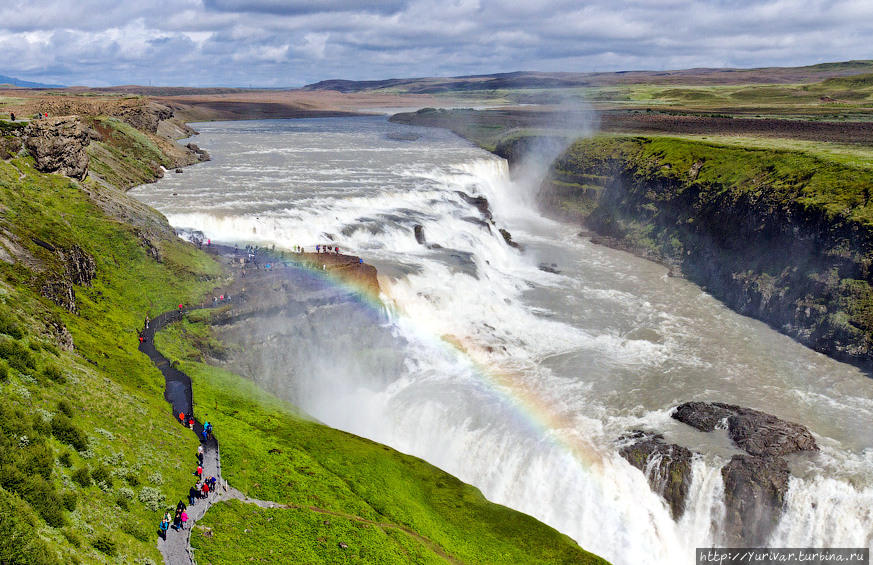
147 321
182 418
318 249
165 525
200 454
204 490
12 116
190 422
184 518
180 506
199 471
192 495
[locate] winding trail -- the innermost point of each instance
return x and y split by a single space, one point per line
176 549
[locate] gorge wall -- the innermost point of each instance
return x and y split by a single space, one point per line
781 236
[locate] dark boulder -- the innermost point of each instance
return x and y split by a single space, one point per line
419 234
667 466
755 432
480 202
507 237
754 495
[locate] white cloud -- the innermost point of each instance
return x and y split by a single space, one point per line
262 42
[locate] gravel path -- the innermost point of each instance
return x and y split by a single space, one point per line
176 549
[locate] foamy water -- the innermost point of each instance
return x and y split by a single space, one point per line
514 379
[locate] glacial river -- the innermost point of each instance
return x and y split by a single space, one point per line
515 379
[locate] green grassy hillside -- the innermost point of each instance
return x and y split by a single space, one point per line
387 507
89 453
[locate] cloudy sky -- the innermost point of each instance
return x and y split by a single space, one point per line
294 42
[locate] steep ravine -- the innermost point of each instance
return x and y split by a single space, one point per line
778 236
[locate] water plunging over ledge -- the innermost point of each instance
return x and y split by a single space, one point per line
515 379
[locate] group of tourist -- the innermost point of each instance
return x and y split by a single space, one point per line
177 522
201 488
327 249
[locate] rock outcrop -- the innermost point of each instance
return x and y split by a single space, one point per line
667 466
144 117
202 155
507 237
418 229
755 485
755 432
59 145
79 268
754 494
480 202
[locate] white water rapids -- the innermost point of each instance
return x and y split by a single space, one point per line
518 380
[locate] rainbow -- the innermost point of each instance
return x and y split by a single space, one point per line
526 403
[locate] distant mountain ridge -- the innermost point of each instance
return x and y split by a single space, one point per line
26 84
534 79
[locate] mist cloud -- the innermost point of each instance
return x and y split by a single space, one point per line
293 42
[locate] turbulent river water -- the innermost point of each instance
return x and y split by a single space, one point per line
515 379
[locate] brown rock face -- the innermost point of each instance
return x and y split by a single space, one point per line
755 432
58 146
144 117
666 466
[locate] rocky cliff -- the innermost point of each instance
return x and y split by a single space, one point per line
59 145
780 236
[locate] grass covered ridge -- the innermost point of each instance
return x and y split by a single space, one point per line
89 452
272 452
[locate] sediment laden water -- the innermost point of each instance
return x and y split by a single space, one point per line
515 379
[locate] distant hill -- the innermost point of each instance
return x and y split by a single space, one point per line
533 79
26 84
